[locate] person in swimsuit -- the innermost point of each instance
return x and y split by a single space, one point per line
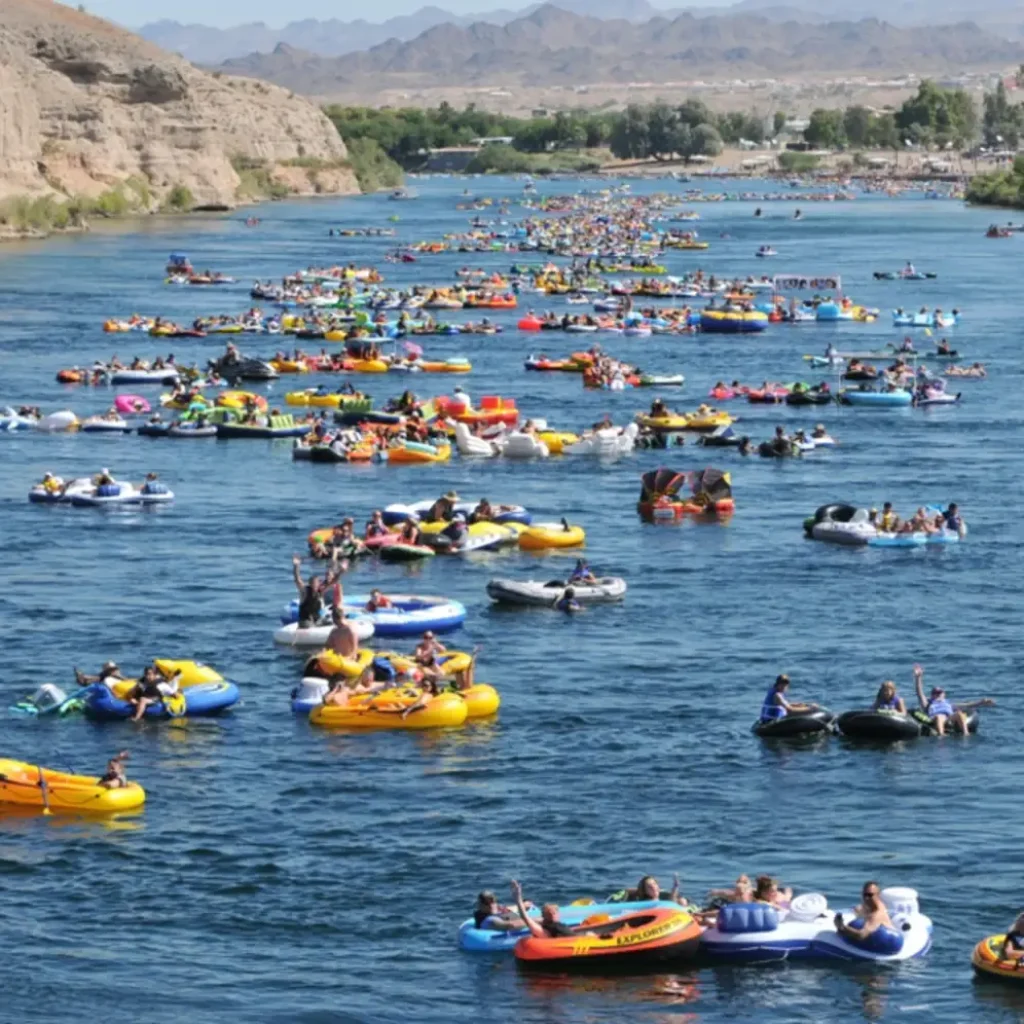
115 776
767 891
887 699
311 594
150 689
549 926
741 892
940 711
490 914
443 509
1013 944
567 602
378 601
410 533
871 912
375 527
342 638
109 671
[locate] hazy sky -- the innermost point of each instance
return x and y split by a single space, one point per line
275 13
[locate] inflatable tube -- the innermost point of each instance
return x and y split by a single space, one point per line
986 961
405 552
169 376
28 785
56 422
202 699
542 536
878 726
395 515
131 405
100 425
875 399
190 430
543 595
409 614
289 635
488 940
640 937
796 723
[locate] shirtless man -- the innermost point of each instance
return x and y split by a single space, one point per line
872 912
342 638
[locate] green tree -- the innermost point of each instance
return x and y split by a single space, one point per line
630 135
825 129
779 122
857 124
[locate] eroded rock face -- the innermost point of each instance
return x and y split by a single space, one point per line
85 106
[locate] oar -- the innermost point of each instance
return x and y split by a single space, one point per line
44 789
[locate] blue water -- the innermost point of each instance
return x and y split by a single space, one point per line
280 873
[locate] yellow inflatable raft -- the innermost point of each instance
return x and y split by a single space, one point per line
412 453
556 440
986 960
352 668
385 711
541 536
31 786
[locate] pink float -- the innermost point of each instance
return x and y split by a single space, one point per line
131 405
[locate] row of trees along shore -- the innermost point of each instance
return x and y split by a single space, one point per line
935 117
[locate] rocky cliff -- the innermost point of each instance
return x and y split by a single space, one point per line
86 107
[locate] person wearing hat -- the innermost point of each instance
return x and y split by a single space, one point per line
938 709
109 672
52 484
819 432
456 533
443 510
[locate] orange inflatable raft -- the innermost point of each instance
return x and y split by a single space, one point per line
638 938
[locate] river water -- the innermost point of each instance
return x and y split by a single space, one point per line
281 873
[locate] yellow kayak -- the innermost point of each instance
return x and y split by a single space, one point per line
28 785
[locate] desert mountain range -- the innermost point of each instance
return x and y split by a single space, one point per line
335 37
552 46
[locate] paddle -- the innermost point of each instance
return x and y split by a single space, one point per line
44 789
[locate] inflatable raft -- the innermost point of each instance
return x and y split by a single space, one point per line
202 699
544 595
986 960
391 710
636 938
29 785
489 940
758 932
408 614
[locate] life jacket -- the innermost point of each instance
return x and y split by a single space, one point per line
770 711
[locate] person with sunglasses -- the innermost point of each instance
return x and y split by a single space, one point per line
868 917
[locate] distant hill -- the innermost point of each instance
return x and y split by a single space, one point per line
552 46
333 38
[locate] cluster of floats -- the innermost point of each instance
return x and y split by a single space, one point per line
648 928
